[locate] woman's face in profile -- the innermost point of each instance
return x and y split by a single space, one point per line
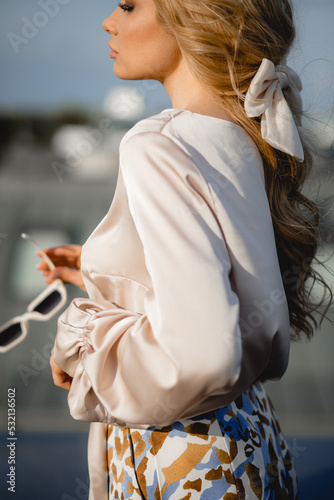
140 45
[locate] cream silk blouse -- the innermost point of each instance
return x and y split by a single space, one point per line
186 305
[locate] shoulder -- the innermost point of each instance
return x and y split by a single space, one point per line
159 124
189 141
152 143
183 126
202 135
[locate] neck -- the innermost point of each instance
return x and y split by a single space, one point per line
186 92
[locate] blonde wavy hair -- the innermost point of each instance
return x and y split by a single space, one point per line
224 43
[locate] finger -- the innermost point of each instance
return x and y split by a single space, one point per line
58 260
42 265
60 250
47 275
67 275
54 367
64 255
60 378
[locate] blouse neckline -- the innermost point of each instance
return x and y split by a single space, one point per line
201 116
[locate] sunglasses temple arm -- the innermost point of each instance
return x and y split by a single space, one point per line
45 257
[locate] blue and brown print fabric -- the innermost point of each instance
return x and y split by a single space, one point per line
234 453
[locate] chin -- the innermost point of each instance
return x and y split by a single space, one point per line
124 74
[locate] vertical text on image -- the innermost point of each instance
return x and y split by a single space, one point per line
11 444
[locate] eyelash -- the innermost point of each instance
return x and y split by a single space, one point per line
125 7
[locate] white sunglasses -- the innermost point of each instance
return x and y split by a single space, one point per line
42 308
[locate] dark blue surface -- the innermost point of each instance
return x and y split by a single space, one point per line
49 467
314 460
54 467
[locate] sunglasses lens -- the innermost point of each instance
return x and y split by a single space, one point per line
11 333
49 303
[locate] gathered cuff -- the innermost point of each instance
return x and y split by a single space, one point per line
73 334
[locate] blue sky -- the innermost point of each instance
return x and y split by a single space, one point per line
65 62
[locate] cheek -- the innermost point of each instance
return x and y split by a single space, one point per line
146 49
146 32
159 50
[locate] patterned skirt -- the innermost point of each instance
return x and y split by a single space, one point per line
233 453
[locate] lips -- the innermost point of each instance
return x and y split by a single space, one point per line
113 52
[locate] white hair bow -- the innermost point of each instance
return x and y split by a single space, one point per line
265 98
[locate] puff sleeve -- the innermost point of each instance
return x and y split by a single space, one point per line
140 370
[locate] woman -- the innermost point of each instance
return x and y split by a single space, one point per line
197 272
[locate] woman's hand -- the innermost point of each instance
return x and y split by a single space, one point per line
67 260
60 378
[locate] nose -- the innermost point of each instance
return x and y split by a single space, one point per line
109 25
